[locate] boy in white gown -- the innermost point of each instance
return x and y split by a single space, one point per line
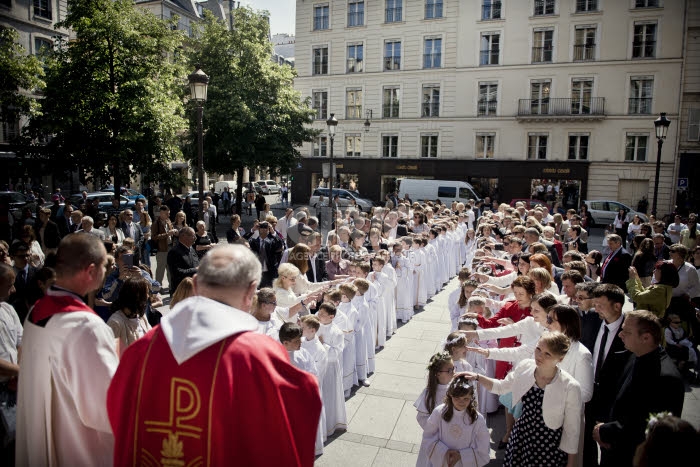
421 294
364 346
455 433
310 326
404 275
347 293
390 272
382 282
361 271
332 394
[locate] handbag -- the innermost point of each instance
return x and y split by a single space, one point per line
507 401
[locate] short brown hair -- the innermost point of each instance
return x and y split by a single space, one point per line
647 322
569 321
362 285
311 321
77 252
348 290
526 283
557 342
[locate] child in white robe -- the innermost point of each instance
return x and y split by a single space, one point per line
310 342
381 280
364 345
441 369
390 272
332 394
404 276
432 268
488 402
345 306
457 300
455 433
420 277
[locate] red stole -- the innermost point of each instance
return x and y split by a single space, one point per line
51 304
237 402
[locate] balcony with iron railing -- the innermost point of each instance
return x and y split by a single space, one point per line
556 108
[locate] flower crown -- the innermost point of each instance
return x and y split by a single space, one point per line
439 357
462 383
472 321
454 340
654 419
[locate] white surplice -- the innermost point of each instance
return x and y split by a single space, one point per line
332 386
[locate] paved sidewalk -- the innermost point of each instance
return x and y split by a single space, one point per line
382 429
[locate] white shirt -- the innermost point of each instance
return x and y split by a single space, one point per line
613 329
688 281
674 231
10 334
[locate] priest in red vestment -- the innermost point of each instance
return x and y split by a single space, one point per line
203 389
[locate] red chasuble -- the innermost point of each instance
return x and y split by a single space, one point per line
237 402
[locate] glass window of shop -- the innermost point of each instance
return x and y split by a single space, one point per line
565 192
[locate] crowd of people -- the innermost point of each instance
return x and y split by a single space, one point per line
536 326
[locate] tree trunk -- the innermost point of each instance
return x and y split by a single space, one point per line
239 191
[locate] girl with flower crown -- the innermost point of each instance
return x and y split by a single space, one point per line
455 434
441 369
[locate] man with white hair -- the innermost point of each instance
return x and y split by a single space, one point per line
209 386
88 226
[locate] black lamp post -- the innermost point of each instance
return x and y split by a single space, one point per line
368 116
198 93
661 125
332 123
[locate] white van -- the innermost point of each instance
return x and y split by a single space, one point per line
430 190
219 186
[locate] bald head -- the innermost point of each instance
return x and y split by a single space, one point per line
229 274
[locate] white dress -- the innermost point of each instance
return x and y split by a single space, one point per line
422 407
349 352
390 272
404 275
421 283
383 302
471 439
332 386
362 335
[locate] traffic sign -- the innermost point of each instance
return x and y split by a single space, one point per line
682 184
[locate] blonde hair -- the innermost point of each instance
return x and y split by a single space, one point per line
185 289
362 285
348 290
287 270
541 275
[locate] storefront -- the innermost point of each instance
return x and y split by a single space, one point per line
501 180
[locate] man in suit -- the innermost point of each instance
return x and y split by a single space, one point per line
600 336
133 230
317 256
182 259
26 289
615 268
650 384
46 231
661 250
268 248
532 235
64 221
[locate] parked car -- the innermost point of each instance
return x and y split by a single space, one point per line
345 198
105 201
604 211
528 202
269 186
16 202
128 192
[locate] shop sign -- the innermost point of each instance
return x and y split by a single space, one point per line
552 170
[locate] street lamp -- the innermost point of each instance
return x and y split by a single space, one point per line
198 93
368 115
332 123
661 125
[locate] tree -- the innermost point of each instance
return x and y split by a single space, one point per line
20 74
253 116
114 93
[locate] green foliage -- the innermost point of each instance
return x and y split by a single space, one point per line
114 95
19 75
253 116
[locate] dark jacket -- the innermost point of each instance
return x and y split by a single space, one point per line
272 248
617 270
182 262
650 384
320 264
26 292
52 235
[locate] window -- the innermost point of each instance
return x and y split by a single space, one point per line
581 89
488 99
490 48
320 60
537 146
644 42
356 13
431 101
646 3
636 148
433 9
641 90
447 192
390 145
694 124
9 130
353 103
319 102
542 44
393 11
432 53
578 147
390 107
429 145
353 145
320 145
544 7
42 8
41 44
584 43
355 60
484 145
539 97
491 9
586 5
392 55
321 17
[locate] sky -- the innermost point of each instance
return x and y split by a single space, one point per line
282 13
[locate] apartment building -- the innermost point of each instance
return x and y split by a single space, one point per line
509 95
